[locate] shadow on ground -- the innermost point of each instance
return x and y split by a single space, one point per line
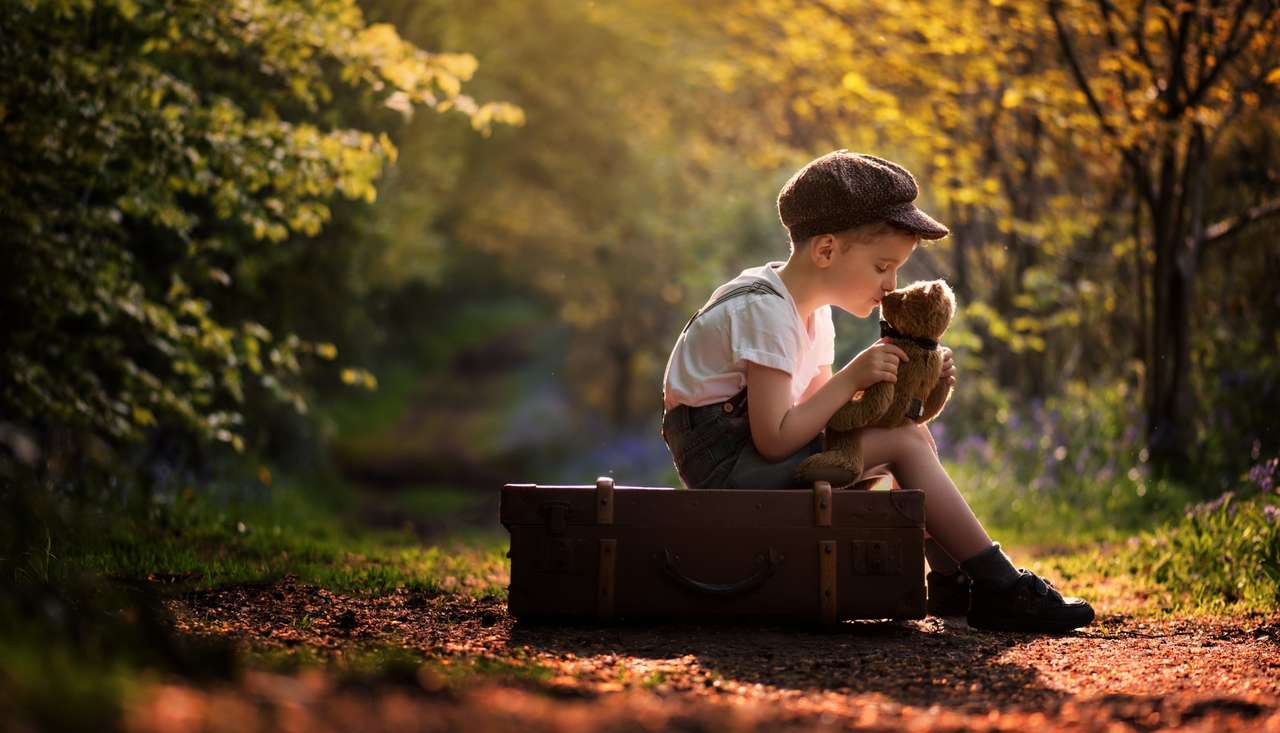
930 662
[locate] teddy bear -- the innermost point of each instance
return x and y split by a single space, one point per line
913 318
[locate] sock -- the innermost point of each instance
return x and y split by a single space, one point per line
991 568
939 560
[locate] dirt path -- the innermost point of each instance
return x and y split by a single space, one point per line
1120 674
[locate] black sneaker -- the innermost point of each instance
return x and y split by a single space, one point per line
1030 604
948 593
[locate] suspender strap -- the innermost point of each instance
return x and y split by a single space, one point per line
759 286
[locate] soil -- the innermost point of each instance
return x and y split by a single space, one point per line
486 672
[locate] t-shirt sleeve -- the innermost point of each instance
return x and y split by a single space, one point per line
762 330
824 336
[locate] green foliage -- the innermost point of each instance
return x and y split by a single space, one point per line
1217 558
48 683
1069 473
1222 556
1057 471
152 148
423 354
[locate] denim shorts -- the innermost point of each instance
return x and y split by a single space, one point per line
712 449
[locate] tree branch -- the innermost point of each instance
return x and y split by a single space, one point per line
1206 81
1221 230
1108 10
1139 37
1178 82
1130 155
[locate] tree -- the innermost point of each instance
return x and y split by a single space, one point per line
150 148
1168 82
1031 127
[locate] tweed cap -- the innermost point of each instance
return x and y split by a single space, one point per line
841 190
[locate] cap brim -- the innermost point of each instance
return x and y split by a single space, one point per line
916 221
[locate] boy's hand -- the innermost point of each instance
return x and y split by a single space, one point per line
877 363
948 367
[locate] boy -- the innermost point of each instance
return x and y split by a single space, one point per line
768 333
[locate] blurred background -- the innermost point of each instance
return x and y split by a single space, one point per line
433 247
408 251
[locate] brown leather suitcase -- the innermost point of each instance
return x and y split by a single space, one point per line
607 552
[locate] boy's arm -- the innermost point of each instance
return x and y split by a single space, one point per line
822 377
778 428
854 414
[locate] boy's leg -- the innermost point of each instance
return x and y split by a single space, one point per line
940 561
1003 597
913 460
753 471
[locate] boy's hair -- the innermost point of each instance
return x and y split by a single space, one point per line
861 234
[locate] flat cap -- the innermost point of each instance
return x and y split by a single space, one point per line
841 190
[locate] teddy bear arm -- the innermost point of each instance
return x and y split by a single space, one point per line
875 401
936 400
938 396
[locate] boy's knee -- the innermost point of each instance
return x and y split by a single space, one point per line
918 435
925 433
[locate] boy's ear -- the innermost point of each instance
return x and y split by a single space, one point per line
822 249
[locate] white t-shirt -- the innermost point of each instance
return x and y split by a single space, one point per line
709 361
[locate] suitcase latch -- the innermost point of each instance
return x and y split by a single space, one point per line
877 557
557 514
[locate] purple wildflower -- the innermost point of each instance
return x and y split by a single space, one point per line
1272 513
1264 474
1210 507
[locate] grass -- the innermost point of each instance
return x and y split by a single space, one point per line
1071 512
1221 557
1218 558
287 531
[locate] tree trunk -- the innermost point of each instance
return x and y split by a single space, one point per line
1142 347
1166 397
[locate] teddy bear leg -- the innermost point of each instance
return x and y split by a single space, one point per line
840 465
860 413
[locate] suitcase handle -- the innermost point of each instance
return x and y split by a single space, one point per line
766 564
